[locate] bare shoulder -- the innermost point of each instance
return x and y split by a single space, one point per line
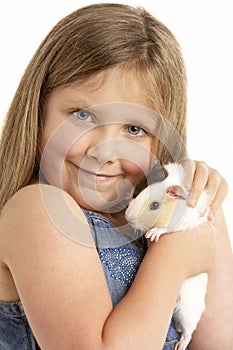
37 196
38 206
49 250
40 213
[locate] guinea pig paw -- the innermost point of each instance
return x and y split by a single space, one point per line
182 343
153 234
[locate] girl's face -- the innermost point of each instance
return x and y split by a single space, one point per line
97 140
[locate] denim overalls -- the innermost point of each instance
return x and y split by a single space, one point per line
120 258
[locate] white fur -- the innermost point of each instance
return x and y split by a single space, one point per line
191 299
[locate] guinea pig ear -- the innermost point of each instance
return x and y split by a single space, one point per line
176 191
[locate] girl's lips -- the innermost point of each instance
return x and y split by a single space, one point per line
98 177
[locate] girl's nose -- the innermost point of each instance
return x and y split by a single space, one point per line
104 143
104 151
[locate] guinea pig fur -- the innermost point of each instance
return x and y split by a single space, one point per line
161 208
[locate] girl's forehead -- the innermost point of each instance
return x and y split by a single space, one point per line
112 85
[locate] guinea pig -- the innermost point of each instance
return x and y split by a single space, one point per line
161 208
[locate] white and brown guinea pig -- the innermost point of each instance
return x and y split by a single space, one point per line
162 204
161 208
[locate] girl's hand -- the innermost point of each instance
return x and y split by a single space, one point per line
200 176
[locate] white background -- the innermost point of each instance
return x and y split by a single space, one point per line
204 30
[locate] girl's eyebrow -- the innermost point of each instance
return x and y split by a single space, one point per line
78 102
74 97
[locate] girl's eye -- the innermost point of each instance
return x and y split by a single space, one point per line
136 130
83 115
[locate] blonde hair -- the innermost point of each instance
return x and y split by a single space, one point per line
84 43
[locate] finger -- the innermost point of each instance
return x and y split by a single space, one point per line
189 171
200 180
219 197
212 188
213 184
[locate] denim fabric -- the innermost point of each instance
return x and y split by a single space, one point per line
121 258
15 332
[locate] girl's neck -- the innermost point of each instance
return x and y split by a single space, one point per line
117 219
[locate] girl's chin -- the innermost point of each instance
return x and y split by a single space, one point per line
97 202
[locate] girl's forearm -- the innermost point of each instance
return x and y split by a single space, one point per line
214 331
149 304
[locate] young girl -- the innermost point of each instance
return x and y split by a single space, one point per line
103 97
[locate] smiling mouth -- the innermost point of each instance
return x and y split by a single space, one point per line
96 176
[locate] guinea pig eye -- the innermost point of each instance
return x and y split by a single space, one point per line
154 205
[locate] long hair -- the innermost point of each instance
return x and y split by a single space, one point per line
84 43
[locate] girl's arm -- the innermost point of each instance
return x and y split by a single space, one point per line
215 330
61 283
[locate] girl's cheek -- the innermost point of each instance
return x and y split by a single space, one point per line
135 169
138 161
